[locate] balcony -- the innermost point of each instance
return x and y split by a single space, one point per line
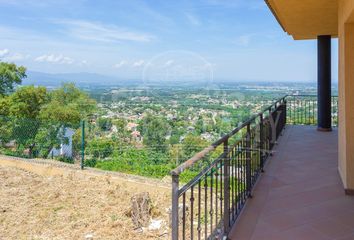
300 194
277 178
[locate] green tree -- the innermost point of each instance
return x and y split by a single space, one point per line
65 108
23 108
154 130
68 104
120 123
199 126
222 127
192 145
18 112
105 124
26 102
4 106
10 76
176 154
100 148
174 139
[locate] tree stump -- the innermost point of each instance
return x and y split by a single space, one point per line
141 207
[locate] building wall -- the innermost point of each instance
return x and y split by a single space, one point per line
346 92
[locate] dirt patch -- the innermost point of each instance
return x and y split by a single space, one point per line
73 207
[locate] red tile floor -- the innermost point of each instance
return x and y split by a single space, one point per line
300 196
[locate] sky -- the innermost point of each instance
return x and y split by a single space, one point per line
234 40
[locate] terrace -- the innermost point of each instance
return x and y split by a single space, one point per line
300 194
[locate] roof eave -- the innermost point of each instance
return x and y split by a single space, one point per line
275 14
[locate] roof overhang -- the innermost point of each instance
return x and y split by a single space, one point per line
306 19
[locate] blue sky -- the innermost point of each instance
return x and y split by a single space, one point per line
233 39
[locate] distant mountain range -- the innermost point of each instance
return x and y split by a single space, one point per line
92 80
80 79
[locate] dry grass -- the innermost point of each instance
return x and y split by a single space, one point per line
71 207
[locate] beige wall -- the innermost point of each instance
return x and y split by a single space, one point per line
346 92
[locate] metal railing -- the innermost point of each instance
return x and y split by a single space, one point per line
302 109
207 206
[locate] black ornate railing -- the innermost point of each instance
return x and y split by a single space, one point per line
302 110
208 205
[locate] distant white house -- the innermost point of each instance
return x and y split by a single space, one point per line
65 149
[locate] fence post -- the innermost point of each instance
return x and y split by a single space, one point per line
82 144
261 142
248 160
175 206
226 188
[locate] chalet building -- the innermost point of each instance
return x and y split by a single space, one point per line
323 20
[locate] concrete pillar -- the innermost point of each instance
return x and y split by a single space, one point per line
324 114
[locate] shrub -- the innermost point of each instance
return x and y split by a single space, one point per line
65 159
91 162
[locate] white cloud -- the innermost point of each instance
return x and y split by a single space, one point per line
169 62
120 64
194 20
244 40
83 63
16 57
4 52
104 33
12 57
59 59
138 63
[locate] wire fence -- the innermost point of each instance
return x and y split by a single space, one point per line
86 144
123 151
34 138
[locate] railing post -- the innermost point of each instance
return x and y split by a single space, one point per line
270 133
226 188
261 142
286 112
248 160
82 144
174 212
